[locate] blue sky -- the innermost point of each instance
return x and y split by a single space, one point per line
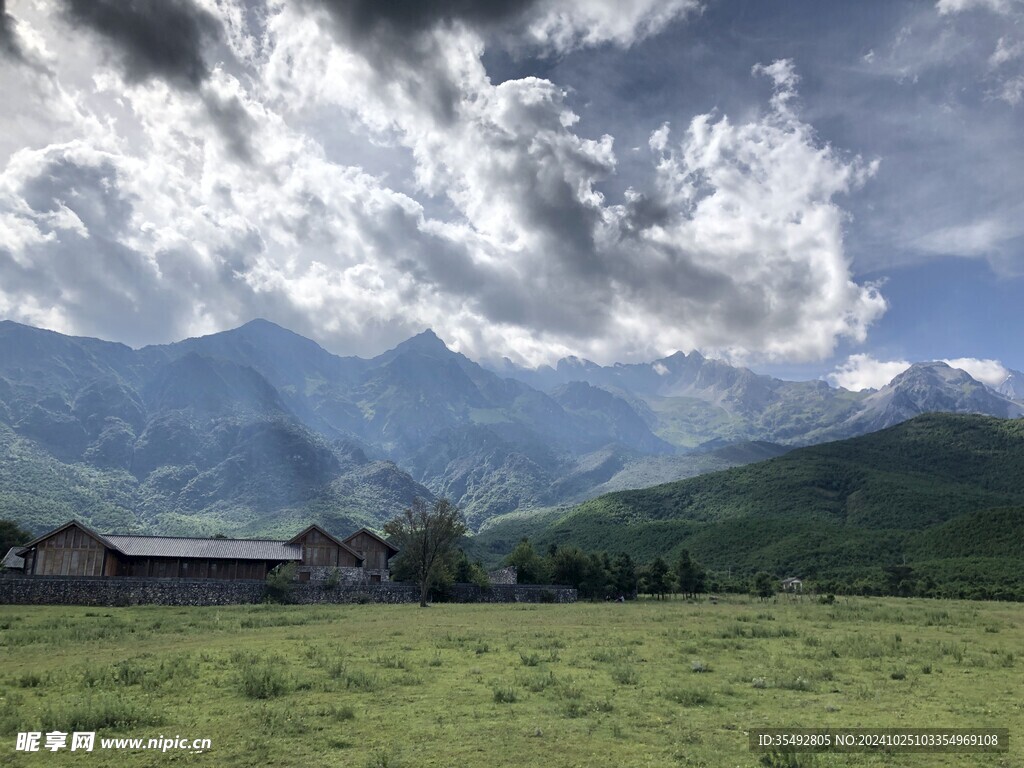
814 189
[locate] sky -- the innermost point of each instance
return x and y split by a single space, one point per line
813 189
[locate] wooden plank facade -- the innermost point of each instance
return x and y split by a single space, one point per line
74 550
70 551
193 568
320 548
374 550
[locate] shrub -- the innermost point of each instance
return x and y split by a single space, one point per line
538 683
505 695
30 680
280 586
624 675
97 713
263 681
361 681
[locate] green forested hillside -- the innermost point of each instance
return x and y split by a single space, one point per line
941 491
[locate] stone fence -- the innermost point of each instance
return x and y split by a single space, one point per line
57 590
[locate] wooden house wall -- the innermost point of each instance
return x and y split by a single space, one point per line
70 552
194 568
375 553
318 549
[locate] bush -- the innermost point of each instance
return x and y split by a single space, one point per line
505 695
263 681
281 584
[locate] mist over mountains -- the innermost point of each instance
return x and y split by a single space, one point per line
257 430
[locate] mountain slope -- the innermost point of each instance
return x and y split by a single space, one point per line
826 509
694 401
243 428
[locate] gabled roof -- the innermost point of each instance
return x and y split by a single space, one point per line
182 546
368 532
226 549
294 539
12 559
102 539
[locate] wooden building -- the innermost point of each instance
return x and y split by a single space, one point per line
375 551
74 549
320 548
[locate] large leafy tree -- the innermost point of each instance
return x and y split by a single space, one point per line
764 586
426 536
624 576
689 575
531 568
657 580
569 566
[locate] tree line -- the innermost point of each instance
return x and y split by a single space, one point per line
599 575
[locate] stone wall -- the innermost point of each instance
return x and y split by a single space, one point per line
322 573
36 590
507 575
57 590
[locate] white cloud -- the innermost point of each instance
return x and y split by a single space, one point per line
162 213
991 372
865 372
989 237
1006 51
1010 90
567 24
959 6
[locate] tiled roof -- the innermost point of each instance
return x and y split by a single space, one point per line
368 532
12 560
235 549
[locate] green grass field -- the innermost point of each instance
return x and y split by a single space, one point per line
636 684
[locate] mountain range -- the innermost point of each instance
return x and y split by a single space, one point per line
256 430
941 493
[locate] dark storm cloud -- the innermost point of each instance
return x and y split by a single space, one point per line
394 36
412 16
9 45
153 38
166 39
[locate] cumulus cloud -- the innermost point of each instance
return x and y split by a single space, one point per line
862 371
750 249
991 372
193 199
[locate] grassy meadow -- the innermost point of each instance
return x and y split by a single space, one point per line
648 683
